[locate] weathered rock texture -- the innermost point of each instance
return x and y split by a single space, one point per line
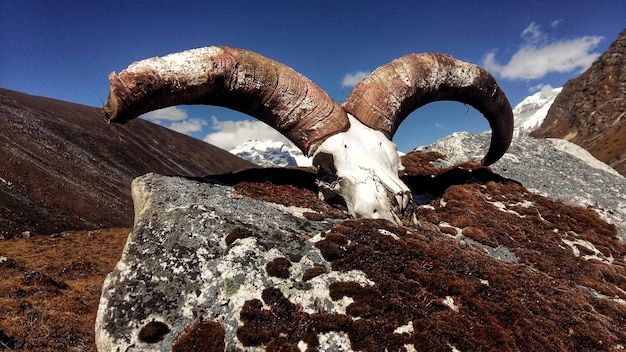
62 167
591 109
552 167
490 266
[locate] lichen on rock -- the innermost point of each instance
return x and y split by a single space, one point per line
489 266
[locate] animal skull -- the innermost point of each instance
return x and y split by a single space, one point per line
350 144
361 165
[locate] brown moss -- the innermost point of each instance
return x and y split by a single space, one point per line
237 233
313 272
36 278
202 336
530 233
278 267
289 196
551 300
313 216
513 308
447 229
419 163
477 234
153 332
281 327
429 182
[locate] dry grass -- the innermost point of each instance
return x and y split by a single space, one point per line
51 287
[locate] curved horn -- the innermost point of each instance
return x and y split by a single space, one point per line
234 78
386 97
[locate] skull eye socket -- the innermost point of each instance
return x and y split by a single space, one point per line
326 170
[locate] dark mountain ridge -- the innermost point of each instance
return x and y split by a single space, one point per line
62 167
591 109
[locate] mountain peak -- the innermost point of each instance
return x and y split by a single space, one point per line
590 110
271 153
530 112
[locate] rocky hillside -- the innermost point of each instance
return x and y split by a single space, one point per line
591 109
63 168
551 167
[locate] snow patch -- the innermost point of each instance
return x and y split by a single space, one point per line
410 348
408 328
530 112
597 255
293 210
270 153
454 349
449 302
503 207
582 154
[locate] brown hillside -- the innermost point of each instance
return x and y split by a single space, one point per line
62 167
591 109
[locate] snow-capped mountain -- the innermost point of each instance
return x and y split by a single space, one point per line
271 153
530 112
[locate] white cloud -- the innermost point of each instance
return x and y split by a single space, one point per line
546 90
537 87
532 33
556 23
172 113
232 133
175 119
540 56
352 79
188 126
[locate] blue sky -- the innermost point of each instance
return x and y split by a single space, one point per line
66 49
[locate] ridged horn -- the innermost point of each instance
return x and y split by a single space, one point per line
387 96
233 78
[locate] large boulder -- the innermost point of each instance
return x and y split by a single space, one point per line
490 266
552 167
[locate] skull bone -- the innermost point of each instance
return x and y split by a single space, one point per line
361 165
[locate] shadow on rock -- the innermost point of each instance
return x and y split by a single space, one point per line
425 182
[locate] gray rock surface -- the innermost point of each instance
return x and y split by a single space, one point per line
552 167
489 267
177 267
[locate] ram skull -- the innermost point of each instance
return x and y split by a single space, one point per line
350 144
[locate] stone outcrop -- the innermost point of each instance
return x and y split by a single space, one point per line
490 266
591 109
552 167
